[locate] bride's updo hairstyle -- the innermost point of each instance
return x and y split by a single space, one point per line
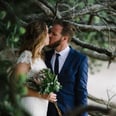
34 38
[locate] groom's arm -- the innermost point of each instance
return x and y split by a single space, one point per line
81 93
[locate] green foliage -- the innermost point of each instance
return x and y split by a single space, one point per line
11 90
14 36
11 93
52 1
19 84
2 15
10 31
94 38
48 82
4 64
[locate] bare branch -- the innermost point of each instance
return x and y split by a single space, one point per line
112 13
90 108
93 27
97 28
47 5
97 49
93 54
101 101
94 8
70 9
90 9
57 13
97 56
47 9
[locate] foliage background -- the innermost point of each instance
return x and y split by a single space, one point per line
95 37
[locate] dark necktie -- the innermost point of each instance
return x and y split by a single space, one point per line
56 65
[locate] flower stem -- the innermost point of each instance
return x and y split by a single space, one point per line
58 110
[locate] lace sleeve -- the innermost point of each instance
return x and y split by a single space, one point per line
25 57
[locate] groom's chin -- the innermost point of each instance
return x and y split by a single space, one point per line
49 47
54 45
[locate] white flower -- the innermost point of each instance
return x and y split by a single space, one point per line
45 82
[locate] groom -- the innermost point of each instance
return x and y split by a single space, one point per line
72 70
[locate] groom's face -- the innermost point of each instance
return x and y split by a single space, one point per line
55 35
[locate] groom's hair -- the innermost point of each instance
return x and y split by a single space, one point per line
68 28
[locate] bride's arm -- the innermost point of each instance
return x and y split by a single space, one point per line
51 97
23 68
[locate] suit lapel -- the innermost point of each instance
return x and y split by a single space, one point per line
49 56
66 63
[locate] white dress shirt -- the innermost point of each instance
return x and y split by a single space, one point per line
62 57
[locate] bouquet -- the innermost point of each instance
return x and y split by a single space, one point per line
44 82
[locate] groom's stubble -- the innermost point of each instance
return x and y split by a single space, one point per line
55 44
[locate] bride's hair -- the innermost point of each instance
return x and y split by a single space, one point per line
34 38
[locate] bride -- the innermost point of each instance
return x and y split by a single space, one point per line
30 62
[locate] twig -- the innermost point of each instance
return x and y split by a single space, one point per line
59 112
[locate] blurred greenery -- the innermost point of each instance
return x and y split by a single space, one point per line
14 15
23 12
10 32
10 94
4 64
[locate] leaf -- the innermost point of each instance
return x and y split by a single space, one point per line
49 83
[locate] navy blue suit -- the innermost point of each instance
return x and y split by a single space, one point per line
73 78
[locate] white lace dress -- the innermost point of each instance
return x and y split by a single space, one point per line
33 105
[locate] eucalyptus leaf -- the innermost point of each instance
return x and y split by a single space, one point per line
48 84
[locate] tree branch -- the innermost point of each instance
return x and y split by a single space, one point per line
90 108
91 47
101 101
94 8
93 27
45 7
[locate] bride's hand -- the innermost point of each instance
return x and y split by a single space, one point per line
36 80
52 97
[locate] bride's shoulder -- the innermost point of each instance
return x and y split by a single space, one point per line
25 56
27 52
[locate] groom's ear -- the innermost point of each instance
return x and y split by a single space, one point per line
65 38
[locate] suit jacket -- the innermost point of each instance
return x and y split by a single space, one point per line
73 78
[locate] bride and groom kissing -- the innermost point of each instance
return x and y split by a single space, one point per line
70 66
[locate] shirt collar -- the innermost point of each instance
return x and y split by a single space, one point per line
63 52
